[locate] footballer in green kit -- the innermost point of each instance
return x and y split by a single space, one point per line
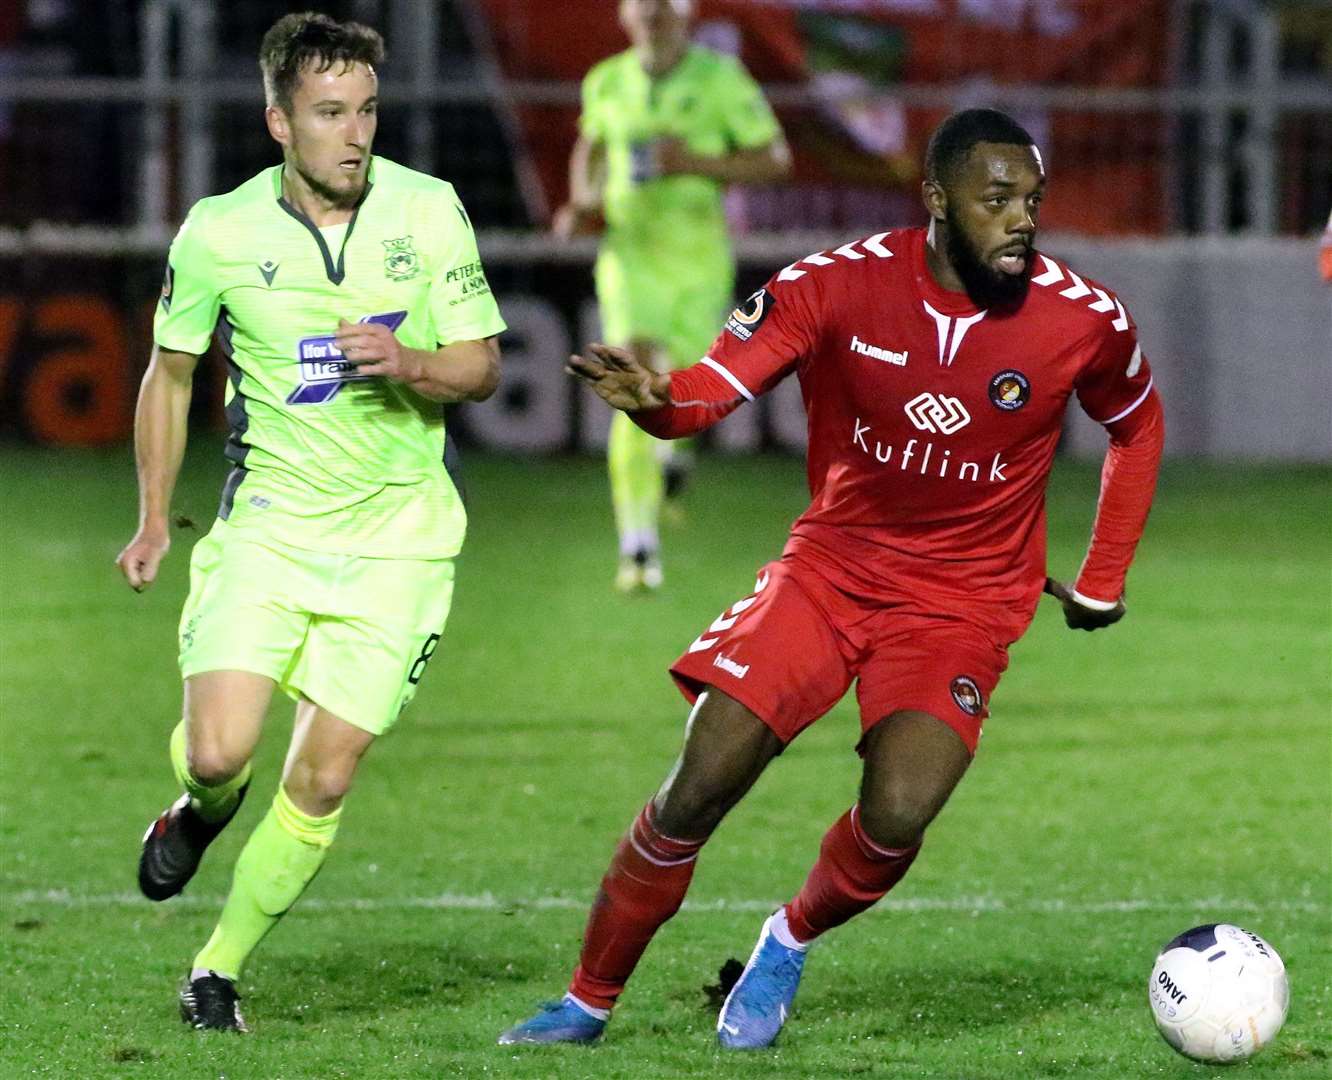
349 300
665 126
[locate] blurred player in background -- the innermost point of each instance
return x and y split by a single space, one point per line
665 126
348 297
935 366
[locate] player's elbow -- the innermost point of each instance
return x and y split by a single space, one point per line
488 372
463 371
491 377
1144 428
489 383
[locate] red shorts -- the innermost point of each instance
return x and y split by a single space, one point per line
789 651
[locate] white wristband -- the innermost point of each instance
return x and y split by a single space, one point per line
1095 605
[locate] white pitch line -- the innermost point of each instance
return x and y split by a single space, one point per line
486 901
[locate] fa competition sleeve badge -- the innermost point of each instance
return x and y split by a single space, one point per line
324 371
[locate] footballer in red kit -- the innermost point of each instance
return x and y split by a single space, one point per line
935 366
932 430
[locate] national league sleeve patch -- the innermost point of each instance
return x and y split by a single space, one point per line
168 287
745 320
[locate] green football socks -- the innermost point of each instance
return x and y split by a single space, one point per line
210 803
280 859
636 484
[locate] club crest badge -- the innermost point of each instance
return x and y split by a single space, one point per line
967 695
1009 390
401 263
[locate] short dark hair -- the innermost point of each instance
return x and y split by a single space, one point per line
954 139
308 39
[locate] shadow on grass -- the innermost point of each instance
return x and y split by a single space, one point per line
373 978
937 1001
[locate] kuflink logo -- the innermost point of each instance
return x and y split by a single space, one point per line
937 413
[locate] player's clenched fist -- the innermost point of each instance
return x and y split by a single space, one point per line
141 558
375 350
1078 616
620 380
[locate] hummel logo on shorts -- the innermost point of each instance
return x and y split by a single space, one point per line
730 666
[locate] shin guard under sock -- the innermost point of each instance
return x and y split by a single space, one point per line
852 874
643 887
282 856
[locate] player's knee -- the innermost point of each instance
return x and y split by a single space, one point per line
693 806
894 814
213 763
317 788
726 749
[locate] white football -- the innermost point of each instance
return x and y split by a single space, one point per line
1219 993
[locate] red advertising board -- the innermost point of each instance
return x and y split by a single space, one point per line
858 137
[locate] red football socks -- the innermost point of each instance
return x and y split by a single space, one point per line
643 887
852 873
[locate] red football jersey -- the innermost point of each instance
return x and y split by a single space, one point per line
932 424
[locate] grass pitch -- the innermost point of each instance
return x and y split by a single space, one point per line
1170 771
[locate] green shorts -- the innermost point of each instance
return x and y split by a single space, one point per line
641 300
352 634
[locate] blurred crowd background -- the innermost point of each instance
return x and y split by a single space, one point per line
1189 144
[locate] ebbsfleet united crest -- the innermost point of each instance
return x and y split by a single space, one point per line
400 259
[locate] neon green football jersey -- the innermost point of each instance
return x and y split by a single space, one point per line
323 458
710 102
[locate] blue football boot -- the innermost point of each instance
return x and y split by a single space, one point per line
760 1001
557 1022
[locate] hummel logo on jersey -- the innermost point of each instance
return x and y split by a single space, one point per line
941 413
876 353
269 271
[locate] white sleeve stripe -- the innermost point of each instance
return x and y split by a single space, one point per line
1095 605
1141 398
728 377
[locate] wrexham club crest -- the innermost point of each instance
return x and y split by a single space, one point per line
400 259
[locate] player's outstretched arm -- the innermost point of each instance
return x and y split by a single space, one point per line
160 424
1079 615
620 380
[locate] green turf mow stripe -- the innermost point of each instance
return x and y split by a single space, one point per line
490 902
